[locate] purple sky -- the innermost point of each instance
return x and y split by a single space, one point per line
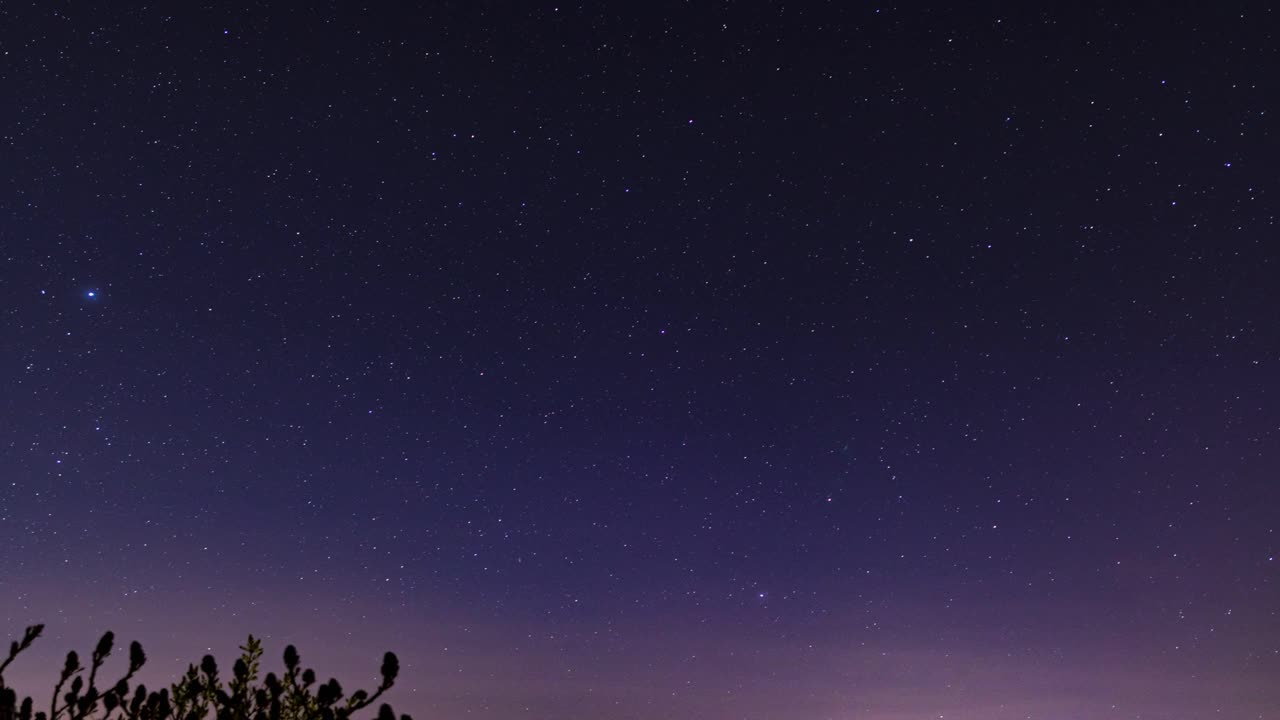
745 361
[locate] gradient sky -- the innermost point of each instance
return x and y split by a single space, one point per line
617 361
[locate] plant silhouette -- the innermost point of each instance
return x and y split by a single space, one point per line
200 694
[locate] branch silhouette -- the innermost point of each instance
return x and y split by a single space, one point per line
200 694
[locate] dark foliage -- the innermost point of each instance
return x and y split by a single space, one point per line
200 694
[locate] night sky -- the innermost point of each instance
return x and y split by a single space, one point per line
671 360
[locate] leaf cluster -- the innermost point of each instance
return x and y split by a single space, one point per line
200 694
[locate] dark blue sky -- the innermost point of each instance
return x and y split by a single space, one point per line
699 360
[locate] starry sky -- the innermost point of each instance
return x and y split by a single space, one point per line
616 361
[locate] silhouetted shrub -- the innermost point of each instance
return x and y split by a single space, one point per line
200 694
